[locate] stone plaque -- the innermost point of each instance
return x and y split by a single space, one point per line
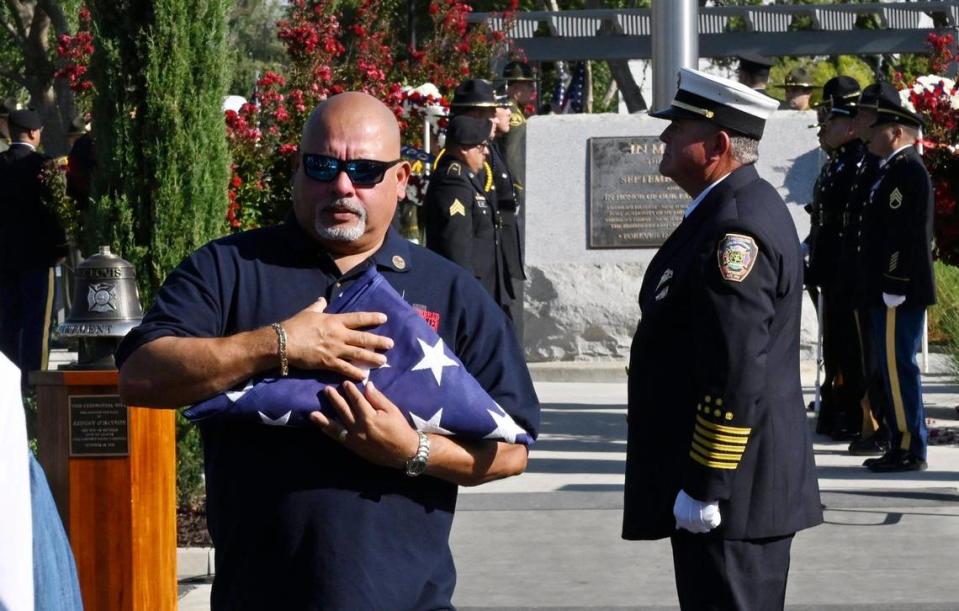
631 205
99 426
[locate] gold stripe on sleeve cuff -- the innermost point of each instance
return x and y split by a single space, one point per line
717 447
710 463
722 428
712 455
736 440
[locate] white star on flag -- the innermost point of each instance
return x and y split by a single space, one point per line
366 371
430 426
434 359
234 395
506 428
281 421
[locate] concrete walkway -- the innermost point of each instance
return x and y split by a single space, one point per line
550 538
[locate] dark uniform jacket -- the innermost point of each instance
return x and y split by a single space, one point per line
834 188
715 401
31 236
899 232
851 257
513 147
464 225
507 202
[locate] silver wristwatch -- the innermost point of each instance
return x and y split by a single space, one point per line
417 465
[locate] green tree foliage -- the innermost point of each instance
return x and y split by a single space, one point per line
159 74
254 47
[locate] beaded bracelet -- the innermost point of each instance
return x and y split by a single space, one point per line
281 341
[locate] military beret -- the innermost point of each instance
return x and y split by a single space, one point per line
474 93
890 108
468 131
728 104
518 71
26 118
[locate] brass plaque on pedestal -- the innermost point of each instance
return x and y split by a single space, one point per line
99 426
631 205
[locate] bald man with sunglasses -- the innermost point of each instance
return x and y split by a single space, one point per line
335 517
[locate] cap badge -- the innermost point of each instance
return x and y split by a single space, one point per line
737 256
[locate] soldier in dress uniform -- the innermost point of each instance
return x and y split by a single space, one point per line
32 241
867 384
753 71
900 280
462 221
719 457
477 98
840 415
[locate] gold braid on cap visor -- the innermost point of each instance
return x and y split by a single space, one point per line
699 111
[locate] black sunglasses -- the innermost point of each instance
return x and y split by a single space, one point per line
362 172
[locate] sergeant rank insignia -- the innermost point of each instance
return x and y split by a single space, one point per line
895 198
457 208
737 256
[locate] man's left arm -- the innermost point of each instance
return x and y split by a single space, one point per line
733 318
373 427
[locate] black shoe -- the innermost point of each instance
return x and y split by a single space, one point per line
873 445
894 461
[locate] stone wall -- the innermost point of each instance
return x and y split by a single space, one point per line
581 304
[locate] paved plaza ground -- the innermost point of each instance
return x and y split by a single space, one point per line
550 538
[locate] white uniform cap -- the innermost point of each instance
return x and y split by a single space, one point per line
728 104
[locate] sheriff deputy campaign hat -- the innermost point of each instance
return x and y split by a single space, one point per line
799 77
474 93
468 131
517 71
26 118
890 108
728 104
840 95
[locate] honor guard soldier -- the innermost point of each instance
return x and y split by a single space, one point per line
867 384
753 71
462 222
899 275
477 98
32 241
520 92
719 458
840 415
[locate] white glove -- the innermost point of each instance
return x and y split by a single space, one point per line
893 301
695 516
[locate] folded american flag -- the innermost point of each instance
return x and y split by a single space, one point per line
422 377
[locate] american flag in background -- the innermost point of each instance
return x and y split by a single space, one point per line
422 377
577 90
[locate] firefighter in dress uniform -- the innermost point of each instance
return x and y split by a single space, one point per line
718 458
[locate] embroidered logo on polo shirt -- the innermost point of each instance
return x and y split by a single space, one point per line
737 256
431 318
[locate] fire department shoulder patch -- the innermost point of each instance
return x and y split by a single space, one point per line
737 256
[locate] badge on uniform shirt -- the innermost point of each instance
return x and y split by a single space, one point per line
737 256
481 201
457 208
454 169
895 198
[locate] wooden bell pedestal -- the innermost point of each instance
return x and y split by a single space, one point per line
112 471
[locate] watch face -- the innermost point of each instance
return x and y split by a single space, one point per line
415 466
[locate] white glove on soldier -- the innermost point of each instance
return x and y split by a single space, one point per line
893 301
695 516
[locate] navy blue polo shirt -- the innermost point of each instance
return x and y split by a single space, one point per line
299 522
